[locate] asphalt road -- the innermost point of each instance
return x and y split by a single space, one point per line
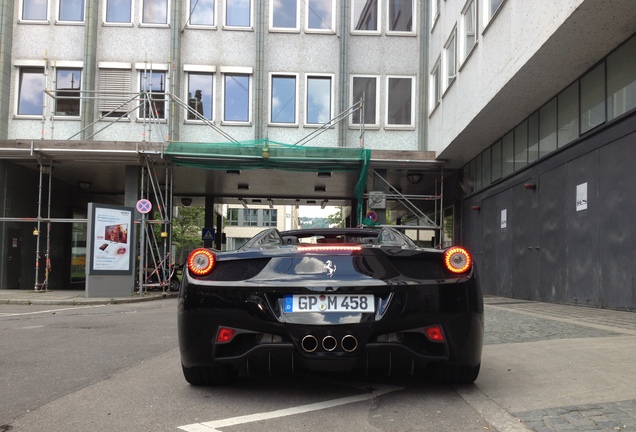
116 368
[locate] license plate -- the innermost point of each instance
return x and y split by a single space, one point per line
329 303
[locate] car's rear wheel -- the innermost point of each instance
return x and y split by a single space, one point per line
440 373
209 375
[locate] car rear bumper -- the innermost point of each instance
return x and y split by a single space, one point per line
266 340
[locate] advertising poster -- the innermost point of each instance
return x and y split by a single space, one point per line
111 240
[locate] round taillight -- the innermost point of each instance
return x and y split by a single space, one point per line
201 262
457 260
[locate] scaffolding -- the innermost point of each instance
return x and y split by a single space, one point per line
156 258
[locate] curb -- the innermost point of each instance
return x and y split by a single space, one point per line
497 418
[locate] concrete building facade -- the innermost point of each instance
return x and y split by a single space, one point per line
535 102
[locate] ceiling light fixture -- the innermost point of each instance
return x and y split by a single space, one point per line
413 177
243 186
84 185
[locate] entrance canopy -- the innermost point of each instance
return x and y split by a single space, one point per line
264 154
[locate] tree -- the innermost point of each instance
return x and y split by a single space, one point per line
186 230
336 218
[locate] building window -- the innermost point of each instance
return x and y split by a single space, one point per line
114 92
236 97
200 96
283 99
496 161
319 100
450 60
490 9
283 15
321 15
153 89
435 6
31 91
401 18
621 80
469 29
548 128
250 217
71 10
593 99
365 88
238 13
533 137
400 96
486 167
507 154
521 145
435 85
155 12
35 10
568 115
119 11
232 217
365 15
67 95
270 218
201 13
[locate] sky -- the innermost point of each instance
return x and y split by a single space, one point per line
316 211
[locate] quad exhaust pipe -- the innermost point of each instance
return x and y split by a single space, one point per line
309 343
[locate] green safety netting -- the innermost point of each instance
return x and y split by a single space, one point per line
266 154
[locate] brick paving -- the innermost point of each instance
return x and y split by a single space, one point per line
515 321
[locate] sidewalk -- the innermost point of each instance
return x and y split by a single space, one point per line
556 368
71 297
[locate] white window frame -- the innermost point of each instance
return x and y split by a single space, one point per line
68 65
377 101
206 26
435 12
145 24
413 21
295 29
464 51
435 85
226 26
388 125
448 74
61 21
486 7
114 23
29 64
377 31
332 24
331 96
153 68
271 98
122 78
30 21
200 69
229 70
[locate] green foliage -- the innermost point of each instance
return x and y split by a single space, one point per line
186 230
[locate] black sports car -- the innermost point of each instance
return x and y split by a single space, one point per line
333 299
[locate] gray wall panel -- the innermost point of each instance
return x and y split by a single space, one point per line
582 254
616 209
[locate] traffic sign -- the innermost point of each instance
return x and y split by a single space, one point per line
144 206
207 234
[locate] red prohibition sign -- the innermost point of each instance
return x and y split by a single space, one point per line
144 206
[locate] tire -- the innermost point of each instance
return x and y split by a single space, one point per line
440 373
210 375
174 284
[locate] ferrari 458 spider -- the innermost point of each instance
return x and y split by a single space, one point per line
333 299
